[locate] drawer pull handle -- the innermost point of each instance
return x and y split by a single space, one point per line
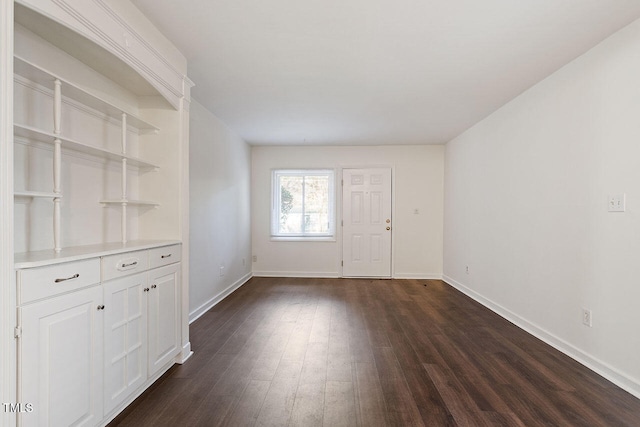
101 307
153 286
146 289
75 276
130 264
165 256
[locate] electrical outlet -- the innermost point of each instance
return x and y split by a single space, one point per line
255 258
243 262
221 270
466 269
586 317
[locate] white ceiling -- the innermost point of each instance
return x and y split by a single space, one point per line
354 72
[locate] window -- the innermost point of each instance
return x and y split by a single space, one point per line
303 203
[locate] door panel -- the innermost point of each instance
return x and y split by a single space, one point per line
125 338
61 354
163 316
366 222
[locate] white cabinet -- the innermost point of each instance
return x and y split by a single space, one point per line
86 347
60 359
125 338
164 316
142 324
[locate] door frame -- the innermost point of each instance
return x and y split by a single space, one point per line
340 216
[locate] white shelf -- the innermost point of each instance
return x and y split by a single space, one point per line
129 202
36 194
43 77
34 134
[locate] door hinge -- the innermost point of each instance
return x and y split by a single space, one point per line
342 263
17 332
342 223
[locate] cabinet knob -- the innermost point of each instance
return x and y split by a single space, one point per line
388 228
153 286
100 307
146 289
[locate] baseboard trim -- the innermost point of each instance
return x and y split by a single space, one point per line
195 314
336 275
599 367
417 276
185 354
305 274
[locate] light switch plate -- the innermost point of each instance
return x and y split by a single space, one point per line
616 203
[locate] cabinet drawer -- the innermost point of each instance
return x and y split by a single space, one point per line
43 282
164 256
120 265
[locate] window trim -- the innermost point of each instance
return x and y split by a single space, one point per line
330 235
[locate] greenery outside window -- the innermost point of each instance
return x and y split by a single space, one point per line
303 203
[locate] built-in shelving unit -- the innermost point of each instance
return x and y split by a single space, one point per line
99 202
33 134
60 88
41 76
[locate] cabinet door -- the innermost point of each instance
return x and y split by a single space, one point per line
163 316
125 338
60 369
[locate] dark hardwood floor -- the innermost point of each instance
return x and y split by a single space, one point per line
343 352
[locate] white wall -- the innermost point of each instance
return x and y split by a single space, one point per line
526 209
220 227
417 184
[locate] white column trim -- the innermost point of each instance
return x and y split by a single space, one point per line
7 275
184 225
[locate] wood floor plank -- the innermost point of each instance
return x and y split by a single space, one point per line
339 404
296 346
425 394
474 376
321 322
401 408
362 352
461 405
308 408
211 413
245 412
531 404
186 406
370 400
278 403
145 411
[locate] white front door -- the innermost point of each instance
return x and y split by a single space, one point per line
366 215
